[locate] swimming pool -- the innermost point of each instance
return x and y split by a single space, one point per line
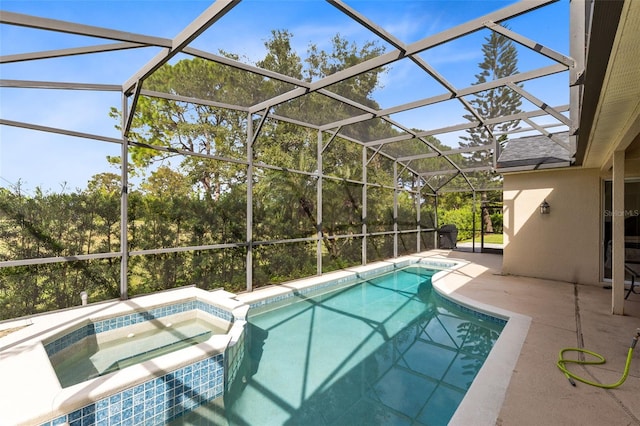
387 350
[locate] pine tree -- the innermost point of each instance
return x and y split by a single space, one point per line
500 60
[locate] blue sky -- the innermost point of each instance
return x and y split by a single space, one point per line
53 162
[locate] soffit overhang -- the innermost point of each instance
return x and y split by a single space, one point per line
610 119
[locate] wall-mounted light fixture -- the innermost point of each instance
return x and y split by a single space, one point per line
545 208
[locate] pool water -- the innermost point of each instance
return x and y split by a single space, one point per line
89 359
385 351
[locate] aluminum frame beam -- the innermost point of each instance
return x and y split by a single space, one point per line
12 18
448 172
59 131
60 53
30 84
536 47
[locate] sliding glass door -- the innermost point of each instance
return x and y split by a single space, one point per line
631 214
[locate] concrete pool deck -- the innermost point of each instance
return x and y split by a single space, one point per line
563 315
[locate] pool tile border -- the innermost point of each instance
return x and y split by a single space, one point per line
355 276
362 275
470 311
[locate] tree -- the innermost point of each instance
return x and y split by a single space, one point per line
294 148
165 182
190 127
500 60
105 183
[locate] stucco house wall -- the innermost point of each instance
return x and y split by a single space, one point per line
563 245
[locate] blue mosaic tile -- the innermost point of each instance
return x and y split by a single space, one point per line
156 401
114 408
59 421
331 283
74 415
88 410
148 413
88 420
102 414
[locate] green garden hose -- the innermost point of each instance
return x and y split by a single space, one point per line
599 360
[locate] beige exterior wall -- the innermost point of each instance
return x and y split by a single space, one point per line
563 245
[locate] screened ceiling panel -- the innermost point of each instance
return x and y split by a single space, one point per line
405 82
407 149
317 109
476 159
57 66
467 52
544 32
437 181
538 86
374 129
240 88
450 182
457 140
481 179
356 88
432 165
378 74
438 114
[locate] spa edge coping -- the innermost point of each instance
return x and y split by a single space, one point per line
27 342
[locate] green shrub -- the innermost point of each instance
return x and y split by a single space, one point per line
463 219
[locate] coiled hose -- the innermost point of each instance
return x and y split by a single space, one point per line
599 360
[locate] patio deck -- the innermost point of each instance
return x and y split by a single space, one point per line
563 315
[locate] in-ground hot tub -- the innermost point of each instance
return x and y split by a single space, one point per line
173 352
102 346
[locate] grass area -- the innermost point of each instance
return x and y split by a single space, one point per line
488 238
